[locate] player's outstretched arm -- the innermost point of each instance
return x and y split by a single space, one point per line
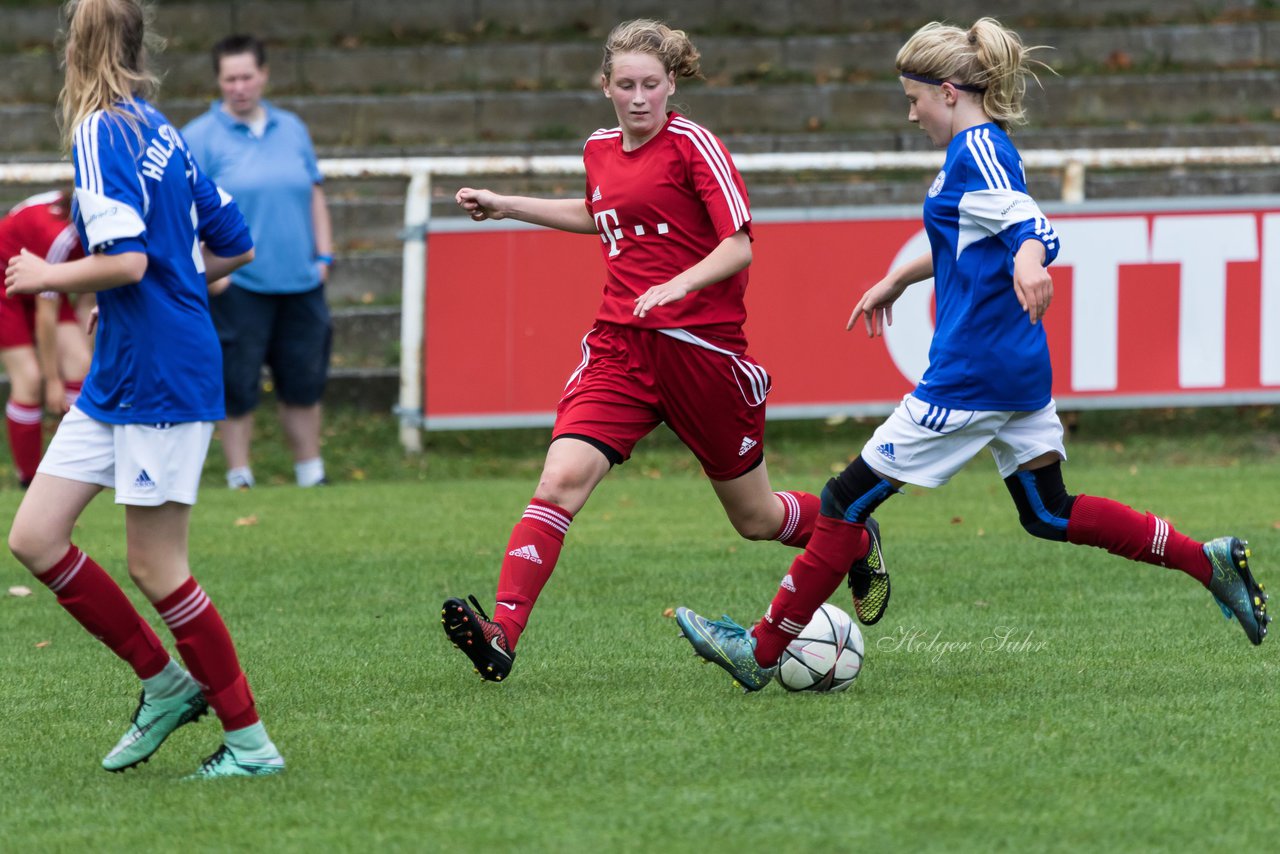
28 273
563 214
876 304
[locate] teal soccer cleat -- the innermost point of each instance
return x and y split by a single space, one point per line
727 644
225 763
1232 585
153 722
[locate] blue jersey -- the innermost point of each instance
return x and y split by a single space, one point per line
985 354
157 357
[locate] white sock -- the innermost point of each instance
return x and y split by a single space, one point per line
251 742
169 683
240 477
309 472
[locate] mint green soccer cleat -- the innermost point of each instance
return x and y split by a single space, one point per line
153 722
225 763
727 644
1232 585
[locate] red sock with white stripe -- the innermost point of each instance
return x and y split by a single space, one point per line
206 648
799 512
98 604
815 575
1145 537
531 556
71 391
23 421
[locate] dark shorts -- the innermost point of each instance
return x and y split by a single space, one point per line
290 333
631 380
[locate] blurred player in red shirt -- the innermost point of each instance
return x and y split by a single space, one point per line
40 337
671 212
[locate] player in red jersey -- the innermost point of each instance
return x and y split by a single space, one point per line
40 337
674 224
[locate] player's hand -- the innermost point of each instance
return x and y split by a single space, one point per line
92 323
55 396
876 306
1031 281
659 295
25 274
480 204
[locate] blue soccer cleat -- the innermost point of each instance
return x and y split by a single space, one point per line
153 722
727 644
1232 585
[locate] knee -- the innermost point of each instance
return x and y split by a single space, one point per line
566 485
33 549
757 524
1044 507
855 493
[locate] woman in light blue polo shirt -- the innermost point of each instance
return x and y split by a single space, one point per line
273 312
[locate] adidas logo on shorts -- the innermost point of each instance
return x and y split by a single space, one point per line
886 451
527 552
144 481
747 444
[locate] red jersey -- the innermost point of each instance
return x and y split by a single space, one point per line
661 209
41 225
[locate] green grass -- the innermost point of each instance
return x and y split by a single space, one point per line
1136 719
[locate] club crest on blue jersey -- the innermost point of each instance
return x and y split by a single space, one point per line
937 183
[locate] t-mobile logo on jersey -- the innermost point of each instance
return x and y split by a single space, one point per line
611 232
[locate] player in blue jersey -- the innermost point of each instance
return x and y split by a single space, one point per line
155 230
989 381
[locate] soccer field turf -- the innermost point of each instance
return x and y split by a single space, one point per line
1121 712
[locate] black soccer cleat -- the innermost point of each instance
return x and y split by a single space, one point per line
869 580
482 639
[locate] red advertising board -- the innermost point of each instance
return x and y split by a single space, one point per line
1152 306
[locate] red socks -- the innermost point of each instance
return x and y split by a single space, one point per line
815 575
210 656
98 604
71 391
23 421
799 510
1145 537
531 556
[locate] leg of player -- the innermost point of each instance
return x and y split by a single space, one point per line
572 470
1047 511
840 539
22 413
74 358
758 513
158 564
40 539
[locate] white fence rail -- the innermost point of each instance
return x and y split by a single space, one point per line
1073 164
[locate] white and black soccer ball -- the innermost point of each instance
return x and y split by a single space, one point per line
826 656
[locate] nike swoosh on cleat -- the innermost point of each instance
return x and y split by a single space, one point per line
494 643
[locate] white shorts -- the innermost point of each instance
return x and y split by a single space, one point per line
926 445
147 464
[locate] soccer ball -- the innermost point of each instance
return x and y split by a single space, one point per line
826 656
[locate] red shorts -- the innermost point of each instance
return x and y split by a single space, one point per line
631 380
18 319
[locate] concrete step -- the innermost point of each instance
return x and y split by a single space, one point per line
196 25
366 336
727 60
450 119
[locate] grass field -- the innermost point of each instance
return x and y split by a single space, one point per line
1122 712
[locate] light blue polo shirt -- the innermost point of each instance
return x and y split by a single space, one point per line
271 178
